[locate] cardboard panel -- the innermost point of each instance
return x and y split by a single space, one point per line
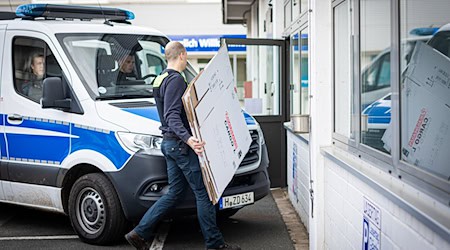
215 117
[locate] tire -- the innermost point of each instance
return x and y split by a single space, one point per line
95 211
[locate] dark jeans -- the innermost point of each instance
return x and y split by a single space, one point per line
183 171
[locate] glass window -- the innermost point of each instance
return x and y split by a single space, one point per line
295 74
116 66
260 79
33 62
155 65
343 98
304 79
425 85
375 72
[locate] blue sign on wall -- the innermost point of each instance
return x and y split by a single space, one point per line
206 43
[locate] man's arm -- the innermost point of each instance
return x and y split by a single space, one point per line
173 107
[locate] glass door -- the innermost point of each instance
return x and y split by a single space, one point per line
263 88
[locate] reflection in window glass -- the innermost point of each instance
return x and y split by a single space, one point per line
342 70
261 79
375 72
304 79
425 85
295 74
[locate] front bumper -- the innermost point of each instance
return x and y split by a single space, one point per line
134 181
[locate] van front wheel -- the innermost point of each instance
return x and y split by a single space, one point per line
95 211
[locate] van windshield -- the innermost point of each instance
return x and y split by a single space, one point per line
116 66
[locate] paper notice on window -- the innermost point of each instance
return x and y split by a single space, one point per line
426 111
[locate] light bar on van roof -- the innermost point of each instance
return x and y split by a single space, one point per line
73 11
423 31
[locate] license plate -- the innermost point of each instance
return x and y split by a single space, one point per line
236 200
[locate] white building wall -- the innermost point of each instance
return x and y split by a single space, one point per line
344 198
298 174
410 220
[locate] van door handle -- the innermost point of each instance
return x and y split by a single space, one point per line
15 117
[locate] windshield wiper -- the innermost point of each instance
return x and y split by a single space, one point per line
122 96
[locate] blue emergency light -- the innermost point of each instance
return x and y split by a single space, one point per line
423 31
73 12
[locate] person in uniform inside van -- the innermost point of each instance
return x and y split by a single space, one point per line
126 69
36 69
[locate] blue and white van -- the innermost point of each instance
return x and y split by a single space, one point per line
90 146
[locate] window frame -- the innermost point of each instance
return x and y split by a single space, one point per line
343 140
433 185
297 25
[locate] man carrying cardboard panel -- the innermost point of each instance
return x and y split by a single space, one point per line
180 149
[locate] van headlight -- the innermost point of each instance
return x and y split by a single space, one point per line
262 141
149 144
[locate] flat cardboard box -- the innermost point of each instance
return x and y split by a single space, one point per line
426 111
215 116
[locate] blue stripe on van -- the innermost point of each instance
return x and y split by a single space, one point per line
2 138
104 143
147 112
38 147
379 120
378 113
152 113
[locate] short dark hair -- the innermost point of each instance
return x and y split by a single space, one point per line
173 50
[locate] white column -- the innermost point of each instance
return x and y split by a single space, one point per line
278 19
320 81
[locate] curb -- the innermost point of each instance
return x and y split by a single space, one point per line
297 231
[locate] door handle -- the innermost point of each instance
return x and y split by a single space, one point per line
15 117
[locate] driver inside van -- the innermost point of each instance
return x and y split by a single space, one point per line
36 69
126 69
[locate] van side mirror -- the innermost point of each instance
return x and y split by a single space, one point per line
53 94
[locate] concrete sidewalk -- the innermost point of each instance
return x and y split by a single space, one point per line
297 231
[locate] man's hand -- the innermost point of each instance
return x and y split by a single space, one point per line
196 145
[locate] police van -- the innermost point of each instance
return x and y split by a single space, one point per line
79 129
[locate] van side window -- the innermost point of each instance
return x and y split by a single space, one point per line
155 64
33 62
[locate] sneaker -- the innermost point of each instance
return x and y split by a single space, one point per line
227 246
135 240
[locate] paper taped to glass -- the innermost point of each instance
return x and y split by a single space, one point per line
215 116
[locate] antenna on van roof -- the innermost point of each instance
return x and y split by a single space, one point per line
103 13
10 6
